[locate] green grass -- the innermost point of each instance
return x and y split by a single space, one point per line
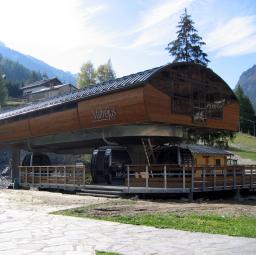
233 226
245 141
244 145
106 253
244 153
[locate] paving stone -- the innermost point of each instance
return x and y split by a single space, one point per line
29 229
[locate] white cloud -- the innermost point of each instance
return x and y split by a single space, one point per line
161 12
157 25
235 37
49 29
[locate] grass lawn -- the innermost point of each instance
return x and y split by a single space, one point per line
245 141
244 145
214 224
244 153
106 253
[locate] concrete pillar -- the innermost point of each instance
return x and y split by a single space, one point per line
15 163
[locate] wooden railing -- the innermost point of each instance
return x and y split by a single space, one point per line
53 175
191 178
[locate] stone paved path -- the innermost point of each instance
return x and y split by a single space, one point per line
29 229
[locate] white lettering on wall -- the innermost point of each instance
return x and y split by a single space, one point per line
106 113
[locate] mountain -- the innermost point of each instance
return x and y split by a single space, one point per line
16 72
36 65
247 81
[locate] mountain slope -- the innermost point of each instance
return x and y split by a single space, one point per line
36 64
247 81
14 71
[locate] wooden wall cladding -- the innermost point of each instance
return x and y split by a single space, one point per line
15 130
53 123
126 107
230 119
158 107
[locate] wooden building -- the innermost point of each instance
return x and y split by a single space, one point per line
184 96
45 89
208 156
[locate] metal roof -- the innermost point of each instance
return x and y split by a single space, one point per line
207 150
122 83
39 83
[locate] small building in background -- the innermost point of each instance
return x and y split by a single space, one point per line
195 154
46 88
208 156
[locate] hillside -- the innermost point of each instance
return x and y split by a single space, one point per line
14 71
244 145
247 81
37 65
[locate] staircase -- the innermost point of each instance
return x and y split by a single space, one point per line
102 191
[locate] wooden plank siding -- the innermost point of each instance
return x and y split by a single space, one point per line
54 123
14 130
158 107
128 105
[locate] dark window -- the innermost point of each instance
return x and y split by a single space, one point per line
218 162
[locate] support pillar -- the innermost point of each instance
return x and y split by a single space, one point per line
15 163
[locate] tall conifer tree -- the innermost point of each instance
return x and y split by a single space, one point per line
187 46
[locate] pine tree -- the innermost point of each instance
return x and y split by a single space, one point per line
3 90
187 46
247 114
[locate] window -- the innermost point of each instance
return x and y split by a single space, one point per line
218 162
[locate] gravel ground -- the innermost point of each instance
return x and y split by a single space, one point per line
33 199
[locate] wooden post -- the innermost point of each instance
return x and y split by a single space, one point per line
47 169
26 175
184 178
214 179
192 179
20 171
203 179
251 178
33 175
83 175
65 178
234 177
225 178
40 172
128 178
147 177
243 181
165 178
74 175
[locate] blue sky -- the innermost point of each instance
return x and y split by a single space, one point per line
133 33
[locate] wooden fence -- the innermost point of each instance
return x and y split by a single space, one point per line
170 178
194 179
52 175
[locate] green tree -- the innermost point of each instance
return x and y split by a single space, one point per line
105 72
247 114
86 77
188 45
3 90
